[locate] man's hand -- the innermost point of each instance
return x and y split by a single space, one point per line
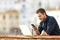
45 34
35 29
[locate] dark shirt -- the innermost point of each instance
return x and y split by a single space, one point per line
50 26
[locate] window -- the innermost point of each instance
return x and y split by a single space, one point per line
4 17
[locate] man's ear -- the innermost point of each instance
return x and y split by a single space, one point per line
44 13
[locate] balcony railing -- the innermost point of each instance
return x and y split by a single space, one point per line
12 37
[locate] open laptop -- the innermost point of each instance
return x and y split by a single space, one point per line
25 30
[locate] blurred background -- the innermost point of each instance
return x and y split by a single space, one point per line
16 16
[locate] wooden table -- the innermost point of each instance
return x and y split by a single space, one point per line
13 37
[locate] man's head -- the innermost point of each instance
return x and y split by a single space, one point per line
41 14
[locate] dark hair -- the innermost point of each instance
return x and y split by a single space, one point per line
41 10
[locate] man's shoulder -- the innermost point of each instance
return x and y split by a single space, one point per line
52 19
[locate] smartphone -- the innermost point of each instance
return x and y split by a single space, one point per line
33 25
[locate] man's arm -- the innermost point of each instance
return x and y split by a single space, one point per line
45 34
50 27
37 31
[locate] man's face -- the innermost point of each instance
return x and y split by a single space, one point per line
41 16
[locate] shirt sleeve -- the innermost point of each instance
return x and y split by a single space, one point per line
40 28
51 26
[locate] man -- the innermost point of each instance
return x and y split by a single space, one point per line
48 24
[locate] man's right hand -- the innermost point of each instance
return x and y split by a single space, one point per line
34 27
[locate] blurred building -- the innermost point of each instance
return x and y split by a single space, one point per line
9 22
